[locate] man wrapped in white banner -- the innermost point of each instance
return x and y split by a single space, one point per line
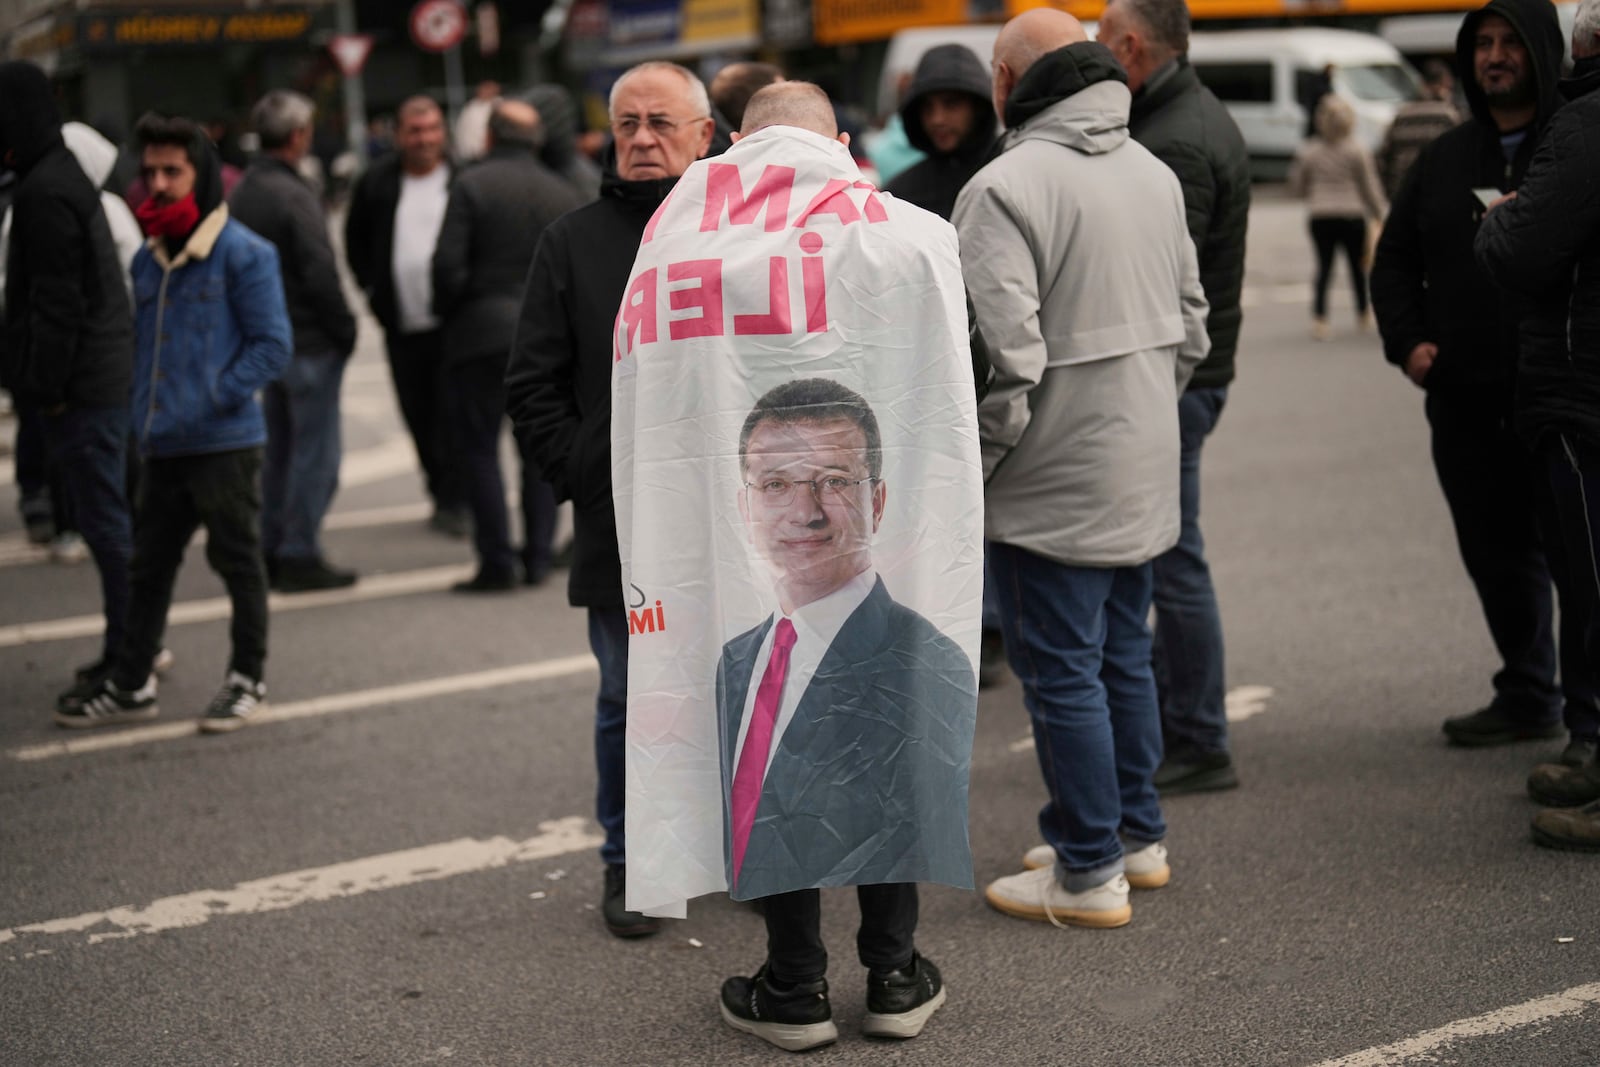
799 510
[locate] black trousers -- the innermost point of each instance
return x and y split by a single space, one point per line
222 492
1573 466
1499 498
1330 235
476 411
884 942
416 362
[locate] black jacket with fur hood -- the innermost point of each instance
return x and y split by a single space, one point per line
934 183
68 323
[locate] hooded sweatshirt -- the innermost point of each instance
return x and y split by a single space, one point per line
98 157
68 324
1426 286
1077 257
934 183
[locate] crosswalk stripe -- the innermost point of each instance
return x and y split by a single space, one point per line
391 870
354 700
370 587
1424 1047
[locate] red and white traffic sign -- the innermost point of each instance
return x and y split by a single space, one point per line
438 25
350 51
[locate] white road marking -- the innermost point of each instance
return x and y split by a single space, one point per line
1243 702
391 870
355 700
1247 701
370 587
1574 1001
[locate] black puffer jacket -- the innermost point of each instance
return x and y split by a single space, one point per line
499 208
1545 247
275 202
1426 286
934 183
68 324
558 384
1186 127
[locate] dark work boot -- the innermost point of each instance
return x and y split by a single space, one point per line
1499 725
619 920
1563 785
1571 829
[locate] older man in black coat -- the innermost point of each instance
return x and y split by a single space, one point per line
498 210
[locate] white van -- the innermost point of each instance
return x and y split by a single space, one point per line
1264 77
1419 36
907 47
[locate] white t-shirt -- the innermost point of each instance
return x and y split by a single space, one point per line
417 218
815 627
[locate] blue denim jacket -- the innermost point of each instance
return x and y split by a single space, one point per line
211 330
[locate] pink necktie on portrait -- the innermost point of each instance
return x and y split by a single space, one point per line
746 795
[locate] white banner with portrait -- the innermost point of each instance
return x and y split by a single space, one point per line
800 514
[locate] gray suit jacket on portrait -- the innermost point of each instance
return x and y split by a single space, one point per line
869 782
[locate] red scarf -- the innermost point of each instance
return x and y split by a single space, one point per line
177 219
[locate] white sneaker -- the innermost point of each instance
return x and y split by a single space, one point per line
1146 869
68 547
1037 895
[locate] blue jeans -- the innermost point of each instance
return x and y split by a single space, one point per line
1188 654
300 471
608 637
1078 640
88 448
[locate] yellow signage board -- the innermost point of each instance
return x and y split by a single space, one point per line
847 21
719 20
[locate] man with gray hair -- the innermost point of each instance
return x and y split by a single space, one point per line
558 391
1188 129
1543 245
498 209
300 470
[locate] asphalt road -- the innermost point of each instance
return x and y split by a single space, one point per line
406 875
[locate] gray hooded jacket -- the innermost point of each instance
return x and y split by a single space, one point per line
1077 255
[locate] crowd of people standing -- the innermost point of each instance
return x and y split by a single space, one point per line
1101 245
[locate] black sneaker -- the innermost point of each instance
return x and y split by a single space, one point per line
794 1019
899 1003
619 920
487 582
452 522
1496 725
86 682
309 575
238 701
1193 771
109 706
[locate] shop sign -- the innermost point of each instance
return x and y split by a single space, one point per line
713 24
189 29
848 21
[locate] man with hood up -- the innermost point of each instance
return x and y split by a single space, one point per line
1544 246
1077 256
68 348
211 331
1453 334
946 114
558 393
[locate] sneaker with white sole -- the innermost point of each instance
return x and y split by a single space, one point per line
109 706
238 701
794 1019
899 1003
1146 868
1037 895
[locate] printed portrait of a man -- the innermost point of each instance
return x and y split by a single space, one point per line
845 718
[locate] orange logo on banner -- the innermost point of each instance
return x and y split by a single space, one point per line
845 21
